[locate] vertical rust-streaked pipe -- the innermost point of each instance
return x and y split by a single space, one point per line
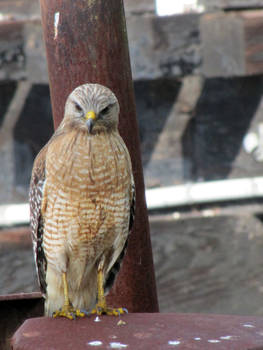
86 41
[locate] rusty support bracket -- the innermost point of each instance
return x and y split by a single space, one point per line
86 41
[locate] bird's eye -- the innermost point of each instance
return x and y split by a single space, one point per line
78 108
105 111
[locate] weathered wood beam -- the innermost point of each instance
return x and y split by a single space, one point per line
231 4
19 9
164 47
12 61
139 7
232 43
159 47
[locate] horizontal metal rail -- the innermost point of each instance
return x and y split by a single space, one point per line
167 197
204 192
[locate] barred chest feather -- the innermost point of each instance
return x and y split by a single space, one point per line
88 162
87 193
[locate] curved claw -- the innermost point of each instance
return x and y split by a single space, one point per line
118 312
85 312
63 313
109 311
69 312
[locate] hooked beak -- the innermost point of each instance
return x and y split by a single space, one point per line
90 118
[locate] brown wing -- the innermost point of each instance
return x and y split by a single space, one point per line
110 278
36 217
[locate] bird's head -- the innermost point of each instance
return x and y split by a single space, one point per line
93 108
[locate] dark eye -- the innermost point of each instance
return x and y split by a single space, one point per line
105 110
78 108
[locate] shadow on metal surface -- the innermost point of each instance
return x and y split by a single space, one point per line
14 310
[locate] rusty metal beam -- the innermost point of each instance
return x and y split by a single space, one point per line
142 331
86 41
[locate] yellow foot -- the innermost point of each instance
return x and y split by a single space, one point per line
70 312
102 310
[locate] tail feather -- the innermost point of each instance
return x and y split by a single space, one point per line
112 274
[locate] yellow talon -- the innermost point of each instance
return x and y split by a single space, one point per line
108 311
101 306
67 309
69 312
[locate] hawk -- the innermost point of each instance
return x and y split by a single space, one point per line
82 205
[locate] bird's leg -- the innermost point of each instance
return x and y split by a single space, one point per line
101 306
67 309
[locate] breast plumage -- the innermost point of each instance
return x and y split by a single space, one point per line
82 203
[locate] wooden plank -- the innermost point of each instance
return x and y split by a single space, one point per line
139 7
159 47
11 51
232 43
167 46
30 8
253 29
36 63
19 9
223 46
231 4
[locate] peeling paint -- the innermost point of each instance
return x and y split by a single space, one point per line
56 21
226 337
118 345
174 342
248 325
97 319
213 341
95 343
197 338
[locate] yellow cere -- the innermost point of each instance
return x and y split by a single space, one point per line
90 115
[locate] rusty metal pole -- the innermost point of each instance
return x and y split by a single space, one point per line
86 41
